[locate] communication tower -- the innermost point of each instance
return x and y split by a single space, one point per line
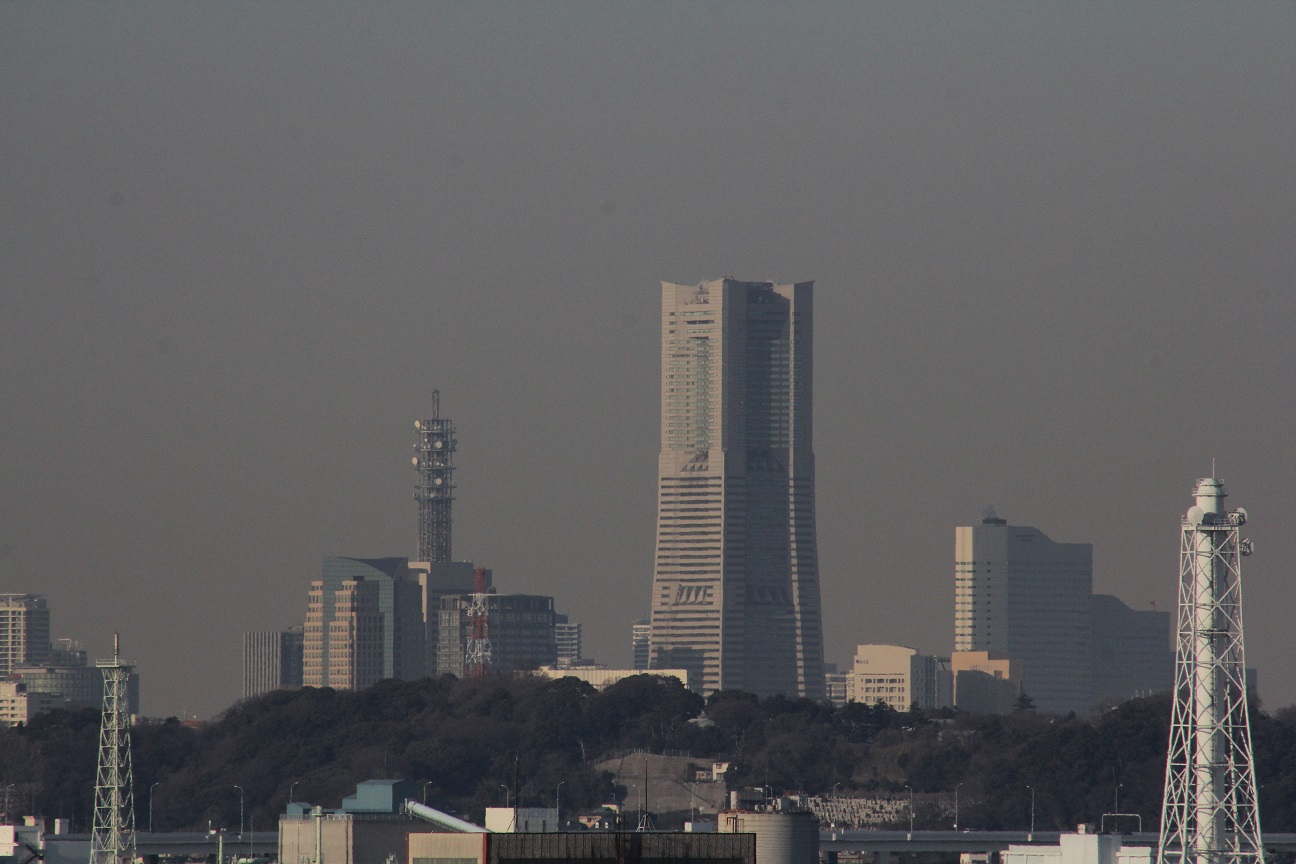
113 840
1210 813
435 448
477 658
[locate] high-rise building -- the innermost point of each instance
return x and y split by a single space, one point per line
24 631
272 660
439 579
1018 593
1030 602
400 632
1131 651
520 628
567 641
639 640
735 595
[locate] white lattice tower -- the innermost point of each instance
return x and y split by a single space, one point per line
113 838
1210 813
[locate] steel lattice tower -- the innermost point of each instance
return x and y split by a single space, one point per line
1211 814
435 448
113 840
477 657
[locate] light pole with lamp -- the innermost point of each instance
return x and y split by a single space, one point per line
151 788
956 788
507 792
291 786
425 785
1116 801
558 803
240 788
911 813
1030 835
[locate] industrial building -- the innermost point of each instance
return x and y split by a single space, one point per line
735 592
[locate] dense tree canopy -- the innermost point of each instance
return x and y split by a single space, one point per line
463 739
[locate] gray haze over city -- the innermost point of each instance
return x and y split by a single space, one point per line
240 244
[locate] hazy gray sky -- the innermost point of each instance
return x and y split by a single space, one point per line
240 243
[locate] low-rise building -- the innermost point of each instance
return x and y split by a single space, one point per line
899 677
984 683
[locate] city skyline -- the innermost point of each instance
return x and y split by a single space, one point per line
239 248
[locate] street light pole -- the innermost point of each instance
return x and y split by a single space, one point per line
1032 825
240 788
151 788
507 792
911 813
291 786
1116 802
956 788
558 803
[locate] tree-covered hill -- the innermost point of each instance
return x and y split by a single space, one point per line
464 739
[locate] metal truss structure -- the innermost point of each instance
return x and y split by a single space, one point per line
435 448
113 837
477 656
1210 813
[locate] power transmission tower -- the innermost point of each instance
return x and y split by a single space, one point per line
113 839
1210 813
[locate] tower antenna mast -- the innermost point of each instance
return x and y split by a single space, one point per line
433 462
113 838
1210 813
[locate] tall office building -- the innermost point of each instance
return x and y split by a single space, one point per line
24 631
397 614
735 595
1017 593
272 660
439 579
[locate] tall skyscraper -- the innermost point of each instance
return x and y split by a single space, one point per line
1017 593
735 595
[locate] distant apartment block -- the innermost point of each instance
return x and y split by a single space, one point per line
1022 597
835 685
639 636
567 641
899 677
24 631
19 705
364 622
520 628
272 660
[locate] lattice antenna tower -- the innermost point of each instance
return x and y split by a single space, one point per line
113 838
1210 813
433 461
477 657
